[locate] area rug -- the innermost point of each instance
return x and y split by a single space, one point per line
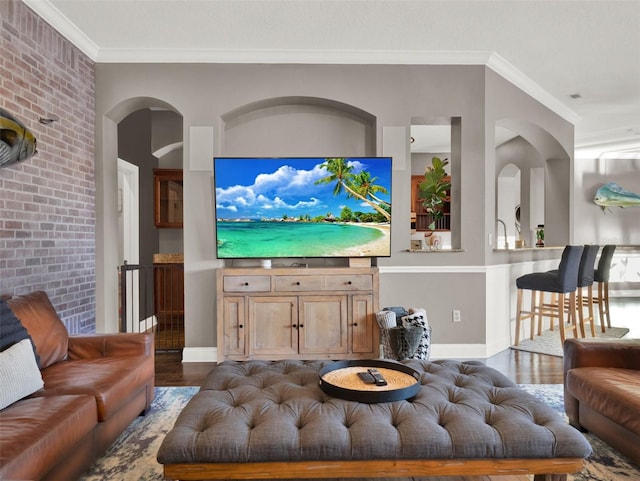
549 341
133 455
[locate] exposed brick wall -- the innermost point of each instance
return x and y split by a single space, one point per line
47 203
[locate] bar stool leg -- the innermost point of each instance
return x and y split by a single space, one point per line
600 303
561 318
518 317
579 307
572 314
541 306
606 303
592 318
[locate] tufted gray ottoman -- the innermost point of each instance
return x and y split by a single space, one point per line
271 420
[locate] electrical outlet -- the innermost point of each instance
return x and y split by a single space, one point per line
455 315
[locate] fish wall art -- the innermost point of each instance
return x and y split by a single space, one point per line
17 143
612 195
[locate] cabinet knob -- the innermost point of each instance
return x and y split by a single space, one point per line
240 326
295 326
298 283
246 283
301 326
355 324
349 282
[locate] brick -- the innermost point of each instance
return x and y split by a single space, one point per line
47 205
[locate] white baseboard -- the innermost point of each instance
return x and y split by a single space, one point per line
200 354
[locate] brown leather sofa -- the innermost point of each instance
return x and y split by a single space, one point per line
601 390
94 386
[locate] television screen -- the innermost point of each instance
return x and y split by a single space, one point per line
302 207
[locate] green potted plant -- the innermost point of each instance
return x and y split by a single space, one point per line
434 190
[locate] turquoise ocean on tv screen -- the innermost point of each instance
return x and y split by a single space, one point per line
261 239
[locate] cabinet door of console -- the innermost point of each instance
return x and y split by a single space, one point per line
323 325
273 324
233 314
362 324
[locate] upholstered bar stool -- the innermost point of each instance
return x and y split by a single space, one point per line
601 276
584 295
561 282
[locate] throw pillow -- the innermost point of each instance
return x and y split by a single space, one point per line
19 373
386 320
11 329
418 317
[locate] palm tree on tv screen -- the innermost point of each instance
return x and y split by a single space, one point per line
343 177
364 185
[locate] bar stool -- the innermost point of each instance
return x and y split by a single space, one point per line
586 274
563 281
601 276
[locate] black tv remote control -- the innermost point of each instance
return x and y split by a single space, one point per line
379 380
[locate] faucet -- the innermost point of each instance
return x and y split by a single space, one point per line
506 242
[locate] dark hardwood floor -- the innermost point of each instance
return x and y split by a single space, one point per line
522 367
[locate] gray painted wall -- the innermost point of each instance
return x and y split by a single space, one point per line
394 96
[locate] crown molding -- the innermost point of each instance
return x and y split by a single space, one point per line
520 80
63 26
294 56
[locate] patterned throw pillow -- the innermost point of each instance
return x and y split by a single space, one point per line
418 317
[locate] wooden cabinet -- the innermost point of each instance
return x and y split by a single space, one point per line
297 313
168 198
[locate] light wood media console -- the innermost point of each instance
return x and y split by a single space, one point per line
297 313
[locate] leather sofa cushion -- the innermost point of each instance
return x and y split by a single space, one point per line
36 433
613 392
110 380
48 333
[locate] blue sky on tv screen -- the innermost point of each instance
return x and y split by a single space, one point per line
270 188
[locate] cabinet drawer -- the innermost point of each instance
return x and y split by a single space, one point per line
348 283
298 283
323 283
246 283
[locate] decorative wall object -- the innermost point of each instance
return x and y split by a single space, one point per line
17 143
612 195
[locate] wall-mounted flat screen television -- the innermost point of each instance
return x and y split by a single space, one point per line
302 207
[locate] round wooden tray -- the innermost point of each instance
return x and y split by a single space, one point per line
340 379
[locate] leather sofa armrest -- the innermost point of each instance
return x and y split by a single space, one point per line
110 345
614 353
618 353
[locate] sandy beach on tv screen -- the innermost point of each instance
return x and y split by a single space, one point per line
378 247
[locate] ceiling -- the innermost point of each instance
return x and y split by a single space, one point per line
551 49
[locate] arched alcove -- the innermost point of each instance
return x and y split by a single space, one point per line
288 126
545 177
507 203
107 231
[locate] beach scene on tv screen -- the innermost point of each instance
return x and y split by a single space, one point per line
303 207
